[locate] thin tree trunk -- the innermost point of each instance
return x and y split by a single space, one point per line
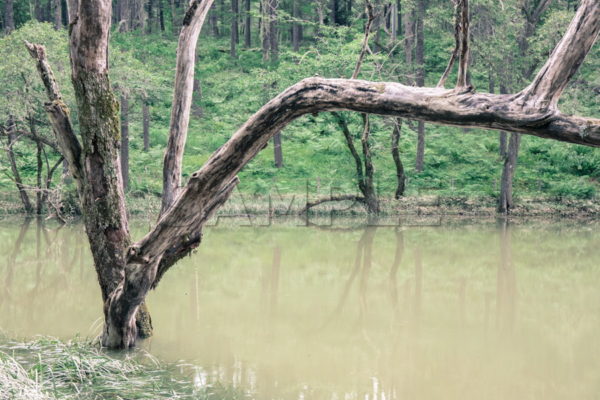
273 30
265 30
38 187
213 20
505 203
57 14
420 81
161 15
146 124
247 24
369 192
9 16
125 141
278 152
400 175
12 137
234 28
296 27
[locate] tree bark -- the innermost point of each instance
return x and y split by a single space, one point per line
182 100
9 16
146 124
125 141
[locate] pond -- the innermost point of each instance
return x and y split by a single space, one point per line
453 309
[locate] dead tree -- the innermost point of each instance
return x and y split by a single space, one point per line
127 271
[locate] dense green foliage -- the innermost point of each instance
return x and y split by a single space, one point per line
457 162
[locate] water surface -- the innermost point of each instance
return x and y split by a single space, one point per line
457 310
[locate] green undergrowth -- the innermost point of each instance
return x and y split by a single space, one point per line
47 368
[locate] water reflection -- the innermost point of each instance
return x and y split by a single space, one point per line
316 313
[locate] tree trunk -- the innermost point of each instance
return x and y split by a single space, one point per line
505 201
161 15
400 175
214 20
72 10
296 27
125 141
420 81
247 25
278 152
234 28
12 138
273 30
38 187
368 187
146 124
9 16
57 14
265 31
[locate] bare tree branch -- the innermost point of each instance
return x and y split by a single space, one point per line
58 112
365 43
551 80
182 99
457 41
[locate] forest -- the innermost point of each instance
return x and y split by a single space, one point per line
249 52
276 199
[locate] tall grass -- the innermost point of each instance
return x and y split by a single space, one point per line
50 369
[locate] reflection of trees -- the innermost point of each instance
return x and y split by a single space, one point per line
506 289
45 261
270 282
12 259
393 283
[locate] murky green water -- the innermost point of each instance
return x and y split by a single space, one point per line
458 311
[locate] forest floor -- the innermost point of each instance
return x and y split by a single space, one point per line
292 205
